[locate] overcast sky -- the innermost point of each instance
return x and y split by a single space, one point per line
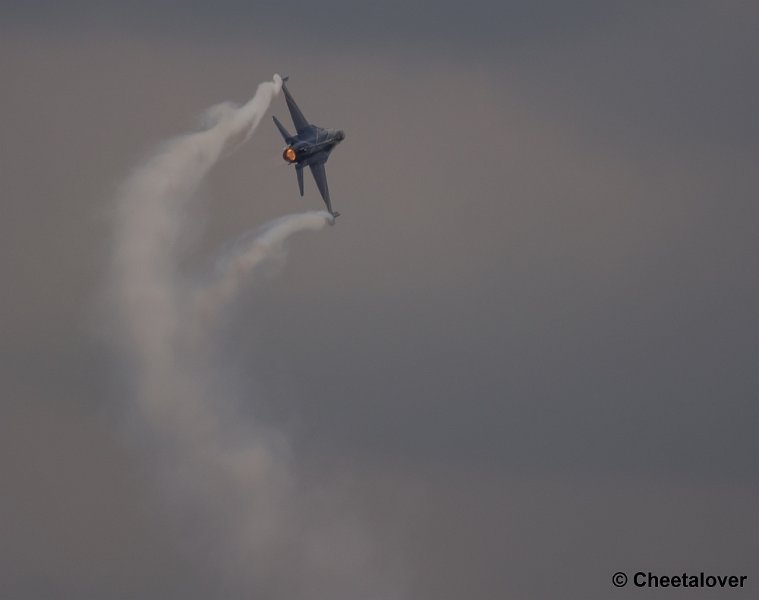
526 355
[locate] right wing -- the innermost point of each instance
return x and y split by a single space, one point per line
320 176
299 120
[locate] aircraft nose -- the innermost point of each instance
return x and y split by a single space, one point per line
340 135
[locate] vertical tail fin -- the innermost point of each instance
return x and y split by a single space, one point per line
299 173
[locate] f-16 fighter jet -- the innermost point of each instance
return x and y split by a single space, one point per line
310 146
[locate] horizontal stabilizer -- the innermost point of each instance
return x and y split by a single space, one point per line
285 134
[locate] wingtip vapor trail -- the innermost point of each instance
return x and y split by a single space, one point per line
238 473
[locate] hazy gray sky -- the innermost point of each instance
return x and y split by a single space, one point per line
526 355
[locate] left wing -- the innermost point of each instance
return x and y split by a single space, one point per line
320 176
300 122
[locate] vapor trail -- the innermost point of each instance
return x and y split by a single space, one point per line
234 473
152 213
249 252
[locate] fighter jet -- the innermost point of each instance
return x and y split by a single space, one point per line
310 146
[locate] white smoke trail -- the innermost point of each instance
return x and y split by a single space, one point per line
234 473
152 213
249 252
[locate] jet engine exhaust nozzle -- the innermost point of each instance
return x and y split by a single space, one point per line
289 155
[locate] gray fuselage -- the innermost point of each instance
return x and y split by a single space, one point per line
314 144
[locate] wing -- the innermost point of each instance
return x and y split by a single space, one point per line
299 120
320 176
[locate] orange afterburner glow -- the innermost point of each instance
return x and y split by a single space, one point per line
289 154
